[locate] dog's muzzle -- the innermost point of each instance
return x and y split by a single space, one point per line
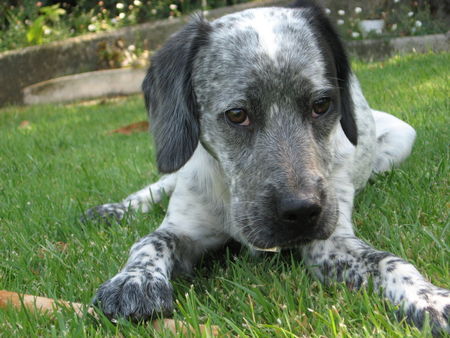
293 218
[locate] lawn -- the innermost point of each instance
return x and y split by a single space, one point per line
63 161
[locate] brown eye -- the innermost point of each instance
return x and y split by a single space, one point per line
237 116
321 106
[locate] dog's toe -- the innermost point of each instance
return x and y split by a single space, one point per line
134 296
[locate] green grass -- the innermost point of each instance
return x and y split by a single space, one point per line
66 162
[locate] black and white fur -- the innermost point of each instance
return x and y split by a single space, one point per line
288 179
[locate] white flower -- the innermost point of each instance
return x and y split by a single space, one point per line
358 10
341 12
92 28
410 14
327 11
154 11
355 35
340 22
122 15
131 48
47 31
120 5
137 3
396 1
418 24
394 27
173 7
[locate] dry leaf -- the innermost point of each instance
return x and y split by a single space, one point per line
131 128
24 125
48 305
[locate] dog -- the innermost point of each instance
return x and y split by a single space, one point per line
264 137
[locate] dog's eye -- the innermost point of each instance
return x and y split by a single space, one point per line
237 116
321 106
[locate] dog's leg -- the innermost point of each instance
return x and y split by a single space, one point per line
395 139
350 260
345 258
141 200
142 289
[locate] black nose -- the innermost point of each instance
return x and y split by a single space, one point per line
299 211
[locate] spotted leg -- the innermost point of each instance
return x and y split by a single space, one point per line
351 260
141 200
345 258
142 289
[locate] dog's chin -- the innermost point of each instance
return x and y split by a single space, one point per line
273 244
268 240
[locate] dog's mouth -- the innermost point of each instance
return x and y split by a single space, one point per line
277 247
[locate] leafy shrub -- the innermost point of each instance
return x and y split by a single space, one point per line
48 15
27 22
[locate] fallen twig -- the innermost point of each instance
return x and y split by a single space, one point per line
48 305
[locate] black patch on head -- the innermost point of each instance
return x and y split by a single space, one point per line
328 34
170 98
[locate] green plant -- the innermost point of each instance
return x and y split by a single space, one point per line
29 22
49 16
402 18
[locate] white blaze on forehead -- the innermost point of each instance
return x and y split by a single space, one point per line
284 35
265 28
303 47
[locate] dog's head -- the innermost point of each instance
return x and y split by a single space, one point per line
264 91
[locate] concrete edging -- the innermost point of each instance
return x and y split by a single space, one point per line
89 85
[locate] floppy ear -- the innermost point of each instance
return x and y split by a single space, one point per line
170 98
329 38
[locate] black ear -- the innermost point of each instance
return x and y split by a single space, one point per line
170 98
329 39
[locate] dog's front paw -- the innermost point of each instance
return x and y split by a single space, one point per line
435 302
105 213
136 296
